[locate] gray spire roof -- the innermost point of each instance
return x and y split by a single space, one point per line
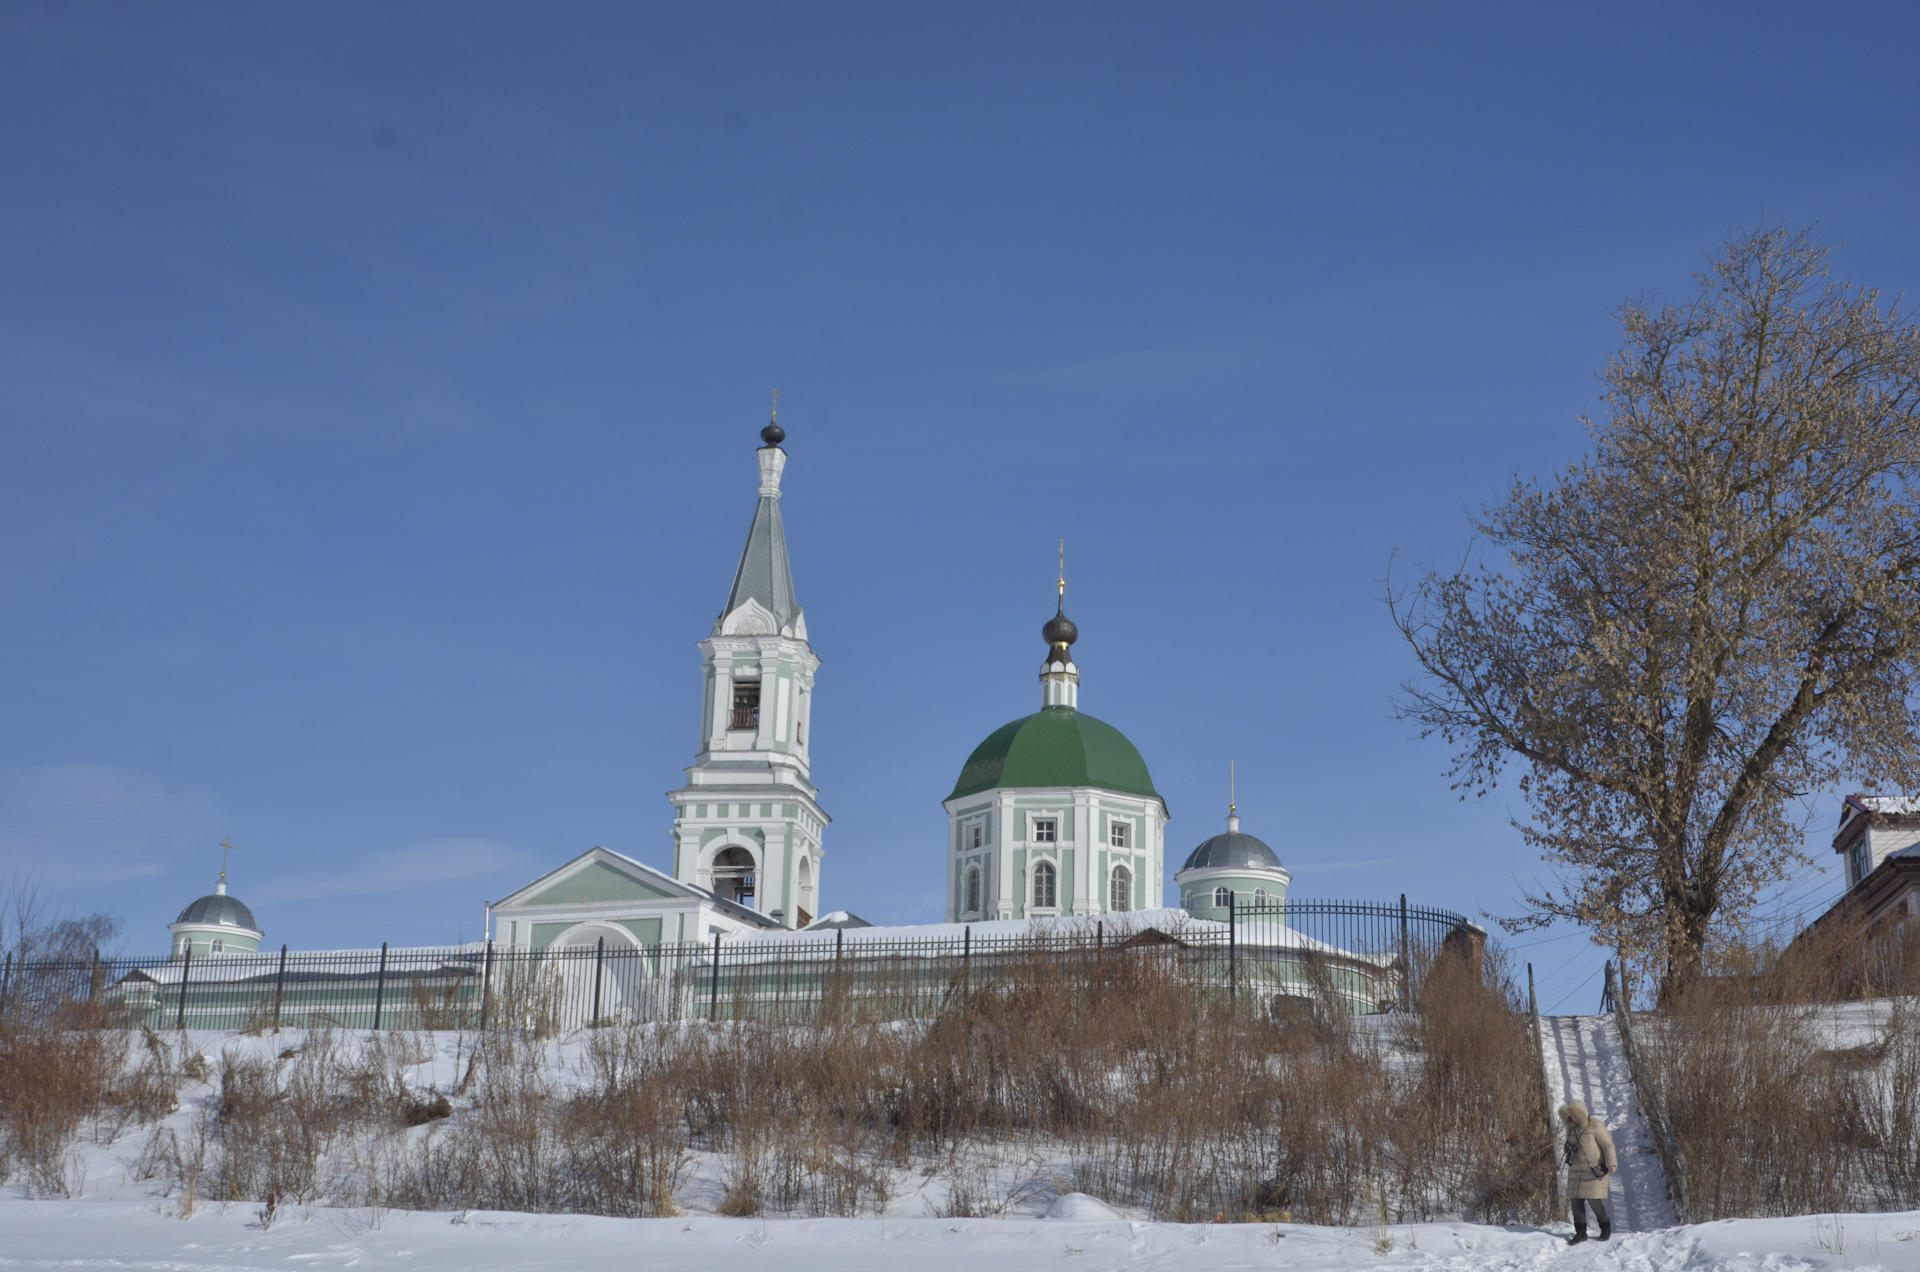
1234 849
764 574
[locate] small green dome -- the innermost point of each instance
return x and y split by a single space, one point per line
1056 746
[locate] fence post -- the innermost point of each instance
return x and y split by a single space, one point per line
93 981
599 960
1546 1093
279 988
1233 952
966 957
380 987
186 965
713 990
1406 960
486 984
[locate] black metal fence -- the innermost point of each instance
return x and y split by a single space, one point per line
1354 956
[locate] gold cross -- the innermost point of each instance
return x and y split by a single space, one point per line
1063 569
776 406
225 848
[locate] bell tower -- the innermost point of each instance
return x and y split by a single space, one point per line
748 823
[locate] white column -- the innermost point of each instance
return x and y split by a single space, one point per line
1089 855
722 705
781 722
769 691
1003 854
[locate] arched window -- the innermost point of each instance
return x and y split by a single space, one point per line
806 903
1259 896
1222 898
1120 891
1044 892
218 946
733 875
973 890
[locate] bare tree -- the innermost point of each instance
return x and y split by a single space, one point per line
1710 617
31 930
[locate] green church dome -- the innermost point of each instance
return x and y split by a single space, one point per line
1056 746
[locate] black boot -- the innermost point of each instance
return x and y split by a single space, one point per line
1579 1235
1606 1231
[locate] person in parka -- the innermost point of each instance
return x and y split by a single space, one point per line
1591 1163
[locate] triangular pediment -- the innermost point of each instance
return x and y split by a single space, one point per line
595 878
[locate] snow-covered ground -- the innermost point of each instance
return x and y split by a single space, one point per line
117 1220
91 1234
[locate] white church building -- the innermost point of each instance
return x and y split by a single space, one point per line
1053 816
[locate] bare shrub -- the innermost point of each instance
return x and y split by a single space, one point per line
1479 1088
1097 1068
58 1068
1770 1119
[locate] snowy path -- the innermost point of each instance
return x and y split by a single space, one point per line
1585 1061
133 1238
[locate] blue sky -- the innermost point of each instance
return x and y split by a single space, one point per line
378 387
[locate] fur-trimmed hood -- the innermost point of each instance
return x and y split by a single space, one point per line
1574 1112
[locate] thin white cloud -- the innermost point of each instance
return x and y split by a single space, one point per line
427 866
70 824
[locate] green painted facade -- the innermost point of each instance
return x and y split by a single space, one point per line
596 884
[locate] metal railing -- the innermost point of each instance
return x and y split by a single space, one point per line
1665 1142
1350 956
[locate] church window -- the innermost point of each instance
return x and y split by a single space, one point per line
746 704
1222 898
1045 895
1120 892
978 831
1045 830
1259 896
973 890
733 875
218 945
1117 834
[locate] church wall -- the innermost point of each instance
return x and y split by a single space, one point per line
646 931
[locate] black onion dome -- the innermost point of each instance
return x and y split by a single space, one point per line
1233 850
1059 630
773 434
223 910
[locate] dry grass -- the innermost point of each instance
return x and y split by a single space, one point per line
1107 1074
63 1069
1771 1120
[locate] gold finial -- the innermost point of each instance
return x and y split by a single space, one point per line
224 848
1063 570
1233 795
776 406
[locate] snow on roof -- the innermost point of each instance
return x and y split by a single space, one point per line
1892 805
1112 928
215 969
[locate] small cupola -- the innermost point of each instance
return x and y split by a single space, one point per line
217 923
1232 870
1059 678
